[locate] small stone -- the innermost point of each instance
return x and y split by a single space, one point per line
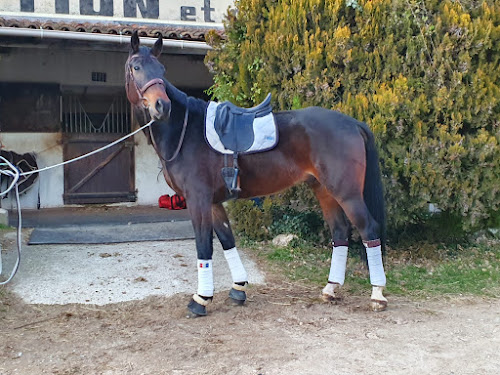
283 239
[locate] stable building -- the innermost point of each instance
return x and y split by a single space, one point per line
62 91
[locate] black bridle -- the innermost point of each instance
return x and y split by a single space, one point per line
140 94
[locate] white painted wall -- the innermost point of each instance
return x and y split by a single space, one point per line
149 180
71 67
49 151
168 10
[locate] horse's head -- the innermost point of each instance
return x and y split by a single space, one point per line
144 79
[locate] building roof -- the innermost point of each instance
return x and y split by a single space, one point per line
180 30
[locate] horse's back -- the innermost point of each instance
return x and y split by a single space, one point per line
322 127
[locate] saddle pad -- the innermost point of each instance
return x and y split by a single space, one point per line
265 133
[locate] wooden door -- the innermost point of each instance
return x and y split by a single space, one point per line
105 177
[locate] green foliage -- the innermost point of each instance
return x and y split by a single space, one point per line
259 222
307 225
424 74
249 219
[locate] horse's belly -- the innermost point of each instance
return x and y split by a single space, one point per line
269 180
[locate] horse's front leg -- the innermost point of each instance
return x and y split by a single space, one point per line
201 218
238 273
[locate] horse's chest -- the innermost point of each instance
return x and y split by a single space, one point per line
169 178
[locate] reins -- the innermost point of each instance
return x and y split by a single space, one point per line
181 139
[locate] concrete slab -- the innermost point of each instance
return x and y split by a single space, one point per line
96 234
96 215
103 274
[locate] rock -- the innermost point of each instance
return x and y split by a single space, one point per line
283 240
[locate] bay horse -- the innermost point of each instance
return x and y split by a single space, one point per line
332 152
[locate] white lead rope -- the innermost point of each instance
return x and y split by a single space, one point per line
14 173
90 153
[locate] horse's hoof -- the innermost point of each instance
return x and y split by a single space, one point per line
238 297
328 293
377 305
196 309
330 299
378 302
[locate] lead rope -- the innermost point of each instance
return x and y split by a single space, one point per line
181 139
13 172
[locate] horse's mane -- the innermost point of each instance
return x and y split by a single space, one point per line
175 94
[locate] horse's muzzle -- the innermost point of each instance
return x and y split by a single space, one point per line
160 110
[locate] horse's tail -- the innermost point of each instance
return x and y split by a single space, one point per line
373 192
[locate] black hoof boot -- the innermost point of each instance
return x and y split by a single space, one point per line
238 294
197 309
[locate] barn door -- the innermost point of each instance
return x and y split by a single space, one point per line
105 177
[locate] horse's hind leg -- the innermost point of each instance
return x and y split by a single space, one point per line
356 210
238 273
347 189
339 228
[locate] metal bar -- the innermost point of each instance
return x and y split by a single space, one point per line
70 114
80 117
113 117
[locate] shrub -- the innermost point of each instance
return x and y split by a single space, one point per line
250 219
423 74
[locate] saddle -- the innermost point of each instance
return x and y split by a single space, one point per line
234 124
234 130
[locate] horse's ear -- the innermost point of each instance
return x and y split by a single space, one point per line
134 42
156 50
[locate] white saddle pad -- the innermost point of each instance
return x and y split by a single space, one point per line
266 134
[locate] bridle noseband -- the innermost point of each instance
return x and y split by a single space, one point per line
142 90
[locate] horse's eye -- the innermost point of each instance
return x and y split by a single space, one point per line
136 67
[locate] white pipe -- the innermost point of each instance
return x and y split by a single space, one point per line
96 37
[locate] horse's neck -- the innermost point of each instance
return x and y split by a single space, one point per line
167 135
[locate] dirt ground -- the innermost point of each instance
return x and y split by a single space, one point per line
283 329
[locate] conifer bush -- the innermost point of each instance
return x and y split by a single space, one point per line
424 75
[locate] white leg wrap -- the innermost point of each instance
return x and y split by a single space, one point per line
238 272
205 278
338 265
330 288
377 294
377 274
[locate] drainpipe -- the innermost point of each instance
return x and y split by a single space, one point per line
185 45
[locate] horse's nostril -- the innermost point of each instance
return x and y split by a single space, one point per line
159 105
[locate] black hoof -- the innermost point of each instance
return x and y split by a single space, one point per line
196 309
237 296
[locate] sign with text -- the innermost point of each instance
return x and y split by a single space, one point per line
161 10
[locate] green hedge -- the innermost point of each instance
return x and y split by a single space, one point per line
424 75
